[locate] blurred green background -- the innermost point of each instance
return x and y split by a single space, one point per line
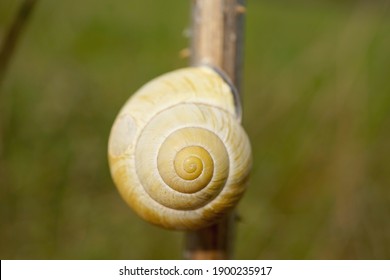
316 108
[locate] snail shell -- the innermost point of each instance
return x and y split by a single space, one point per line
177 152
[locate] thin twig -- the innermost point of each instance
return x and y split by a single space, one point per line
6 52
217 40
14 32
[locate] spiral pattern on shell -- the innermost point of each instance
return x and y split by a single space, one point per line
177 152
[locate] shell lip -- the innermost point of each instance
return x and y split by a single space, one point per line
225 77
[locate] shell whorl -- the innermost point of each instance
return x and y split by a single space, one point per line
177 152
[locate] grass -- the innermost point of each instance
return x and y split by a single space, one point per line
316 108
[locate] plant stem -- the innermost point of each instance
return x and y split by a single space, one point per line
217 40
13 35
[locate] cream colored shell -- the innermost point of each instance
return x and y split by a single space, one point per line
177 152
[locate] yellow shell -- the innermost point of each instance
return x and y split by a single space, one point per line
177 152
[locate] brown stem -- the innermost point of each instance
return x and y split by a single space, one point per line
217 40
13 35
6 52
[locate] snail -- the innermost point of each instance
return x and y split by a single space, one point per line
177 152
